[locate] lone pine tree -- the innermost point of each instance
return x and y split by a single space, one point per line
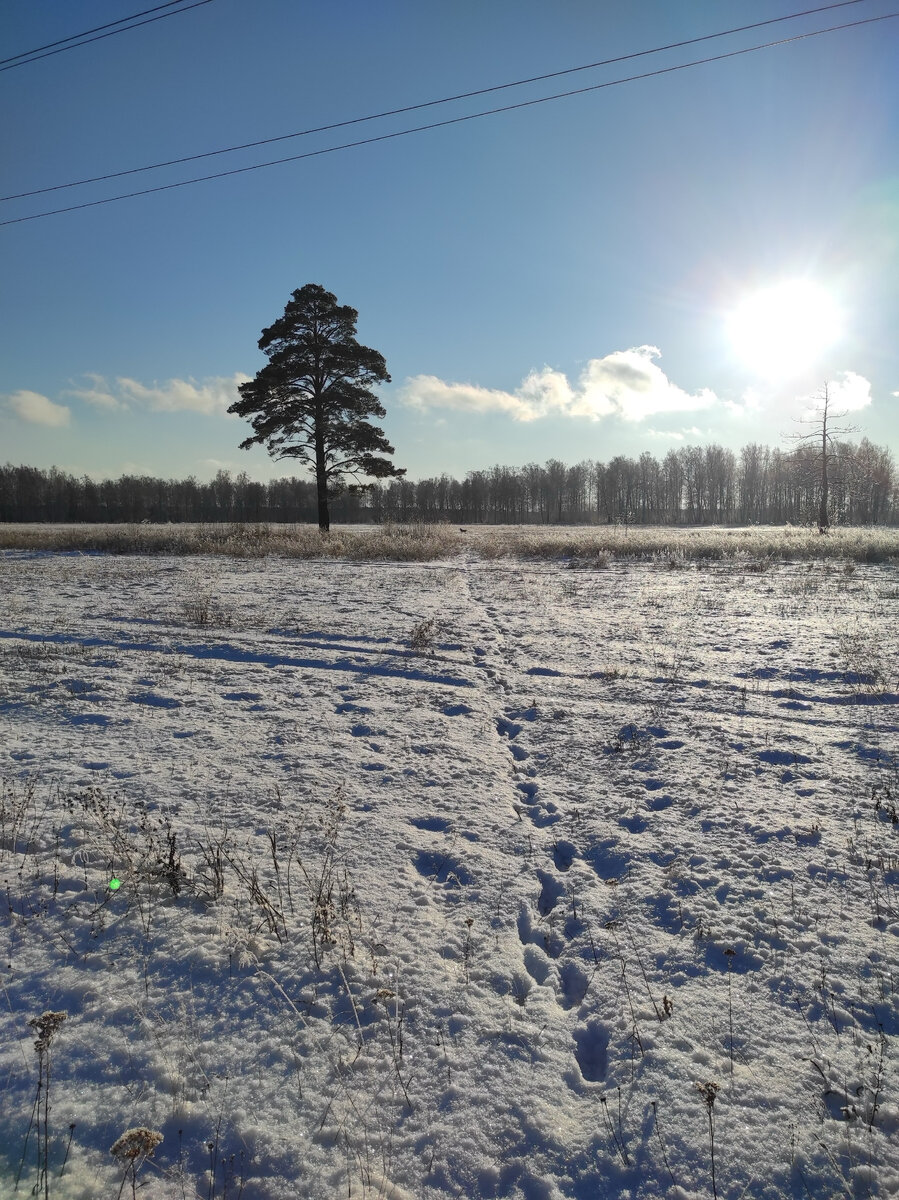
312 400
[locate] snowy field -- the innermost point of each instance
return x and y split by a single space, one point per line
467 878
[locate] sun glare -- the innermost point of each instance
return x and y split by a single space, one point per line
781 331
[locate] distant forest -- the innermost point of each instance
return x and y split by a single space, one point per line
694 485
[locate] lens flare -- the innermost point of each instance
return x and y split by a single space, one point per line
783 330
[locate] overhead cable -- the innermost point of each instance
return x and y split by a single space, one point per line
425 104
30 56
453 120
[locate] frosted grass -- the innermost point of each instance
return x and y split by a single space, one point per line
423 543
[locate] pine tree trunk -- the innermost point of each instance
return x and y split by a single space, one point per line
321 482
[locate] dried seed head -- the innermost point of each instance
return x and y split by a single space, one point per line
136 1143
708 1091
46 1025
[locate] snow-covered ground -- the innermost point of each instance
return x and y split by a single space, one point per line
461 879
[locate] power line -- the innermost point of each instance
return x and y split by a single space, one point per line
426 104
452 120
74 37
30 56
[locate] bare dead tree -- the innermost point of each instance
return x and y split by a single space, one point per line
823 431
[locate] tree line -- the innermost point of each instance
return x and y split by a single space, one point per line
313 402
693 485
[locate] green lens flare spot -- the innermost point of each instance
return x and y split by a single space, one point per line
115 884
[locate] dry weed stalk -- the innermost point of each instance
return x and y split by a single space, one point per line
730 1005
617 1135
709 1091
422 636
272 914
133 1148
47 1026
655 1112
335 910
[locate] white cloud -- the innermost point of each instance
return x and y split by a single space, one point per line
98 394
626 383
846 394
427 391
182 395
209 396
664 433
850 392
37 409
750 404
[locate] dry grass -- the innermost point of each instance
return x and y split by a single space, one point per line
582 545
680 545
358 543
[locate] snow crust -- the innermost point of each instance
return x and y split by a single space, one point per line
493 911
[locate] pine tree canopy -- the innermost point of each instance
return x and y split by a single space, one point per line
312 401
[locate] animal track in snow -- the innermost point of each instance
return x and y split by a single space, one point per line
606 860
574 983
522 714
154 700
551 892
657 803
507 728
432 824
531 936
783 758
563 855
537 964
665 913
442 868
591 1049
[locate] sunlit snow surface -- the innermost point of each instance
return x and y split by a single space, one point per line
521 854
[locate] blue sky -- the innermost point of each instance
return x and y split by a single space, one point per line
573 279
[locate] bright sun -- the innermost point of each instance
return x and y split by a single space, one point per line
782 330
